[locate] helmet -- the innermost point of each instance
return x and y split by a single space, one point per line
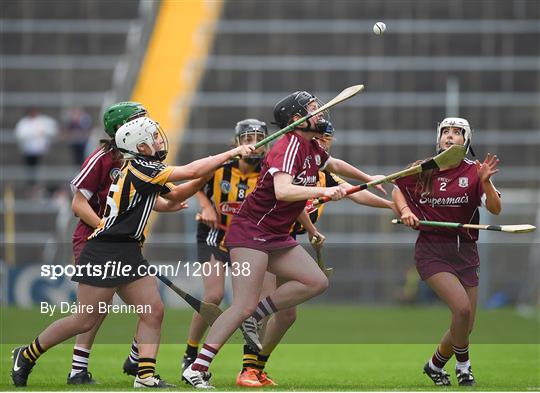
459 123
120 113
139 131
296 104
248 126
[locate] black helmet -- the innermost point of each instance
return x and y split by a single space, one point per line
296 104
248 126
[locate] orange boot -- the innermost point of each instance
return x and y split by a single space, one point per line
265 380
249 378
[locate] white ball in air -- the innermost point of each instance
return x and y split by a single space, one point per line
379 28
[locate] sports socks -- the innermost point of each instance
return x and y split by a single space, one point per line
79 360
192 349
249 359
204 358
134 353
147 368
462 358
33 351
438 360
264 308
261 361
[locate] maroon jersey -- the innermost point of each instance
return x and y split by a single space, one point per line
296 156
93 181
457 194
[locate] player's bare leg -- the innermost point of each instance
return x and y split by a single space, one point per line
304 279
88 300
144 292
214 287
455 295
79 374
246 292
252 374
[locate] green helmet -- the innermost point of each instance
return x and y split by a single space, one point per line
121 112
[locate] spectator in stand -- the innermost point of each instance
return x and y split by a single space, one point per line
34 133
77 126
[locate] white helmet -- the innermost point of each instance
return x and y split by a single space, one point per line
459 123
139 131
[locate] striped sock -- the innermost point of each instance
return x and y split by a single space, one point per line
249 359
264 308
192 349
79 361
204 358
462 354
33 351
147 368
134 353
438 360
462 358
261 360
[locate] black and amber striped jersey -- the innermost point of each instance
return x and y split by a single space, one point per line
326 179
131 198
227 190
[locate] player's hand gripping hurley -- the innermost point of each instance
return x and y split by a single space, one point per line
524 228
450 157
344 95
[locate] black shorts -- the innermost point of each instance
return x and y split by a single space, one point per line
205 251
124 259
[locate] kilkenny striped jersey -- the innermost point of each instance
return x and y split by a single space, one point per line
131 199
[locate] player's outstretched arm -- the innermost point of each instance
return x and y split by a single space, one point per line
165 206
206 165
367 198
342 168
286 191
82 209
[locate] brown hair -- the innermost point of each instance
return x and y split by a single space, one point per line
108 144
424 180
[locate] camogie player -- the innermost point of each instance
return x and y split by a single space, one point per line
447 259
260 232
90 188
118 237
220 200
253 374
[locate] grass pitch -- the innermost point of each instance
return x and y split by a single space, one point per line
341 360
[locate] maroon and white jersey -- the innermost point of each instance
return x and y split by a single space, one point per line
93 181
457 195
296 156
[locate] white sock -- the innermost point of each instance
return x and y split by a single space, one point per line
433 367
463 366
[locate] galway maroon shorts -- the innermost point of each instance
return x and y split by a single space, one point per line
436 253
244 233
78 245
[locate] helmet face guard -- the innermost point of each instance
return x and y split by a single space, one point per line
457 122
249 127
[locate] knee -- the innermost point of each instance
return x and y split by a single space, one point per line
154 313
86 322
286 317
319 284
214 297
463 312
